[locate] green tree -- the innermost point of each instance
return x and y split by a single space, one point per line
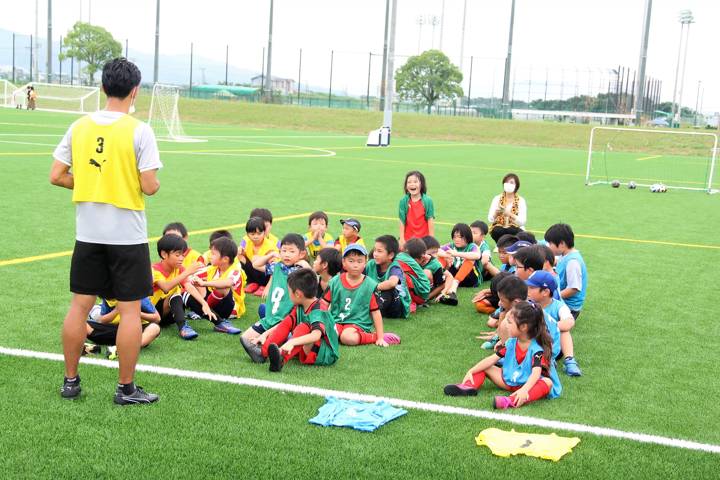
90 44
428 77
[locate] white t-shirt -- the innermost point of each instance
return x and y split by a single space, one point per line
101 222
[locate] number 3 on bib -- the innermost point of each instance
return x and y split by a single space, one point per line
275 298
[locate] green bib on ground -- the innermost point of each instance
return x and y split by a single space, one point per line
352 305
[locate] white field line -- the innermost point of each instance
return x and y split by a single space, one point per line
54 135
326 153
428 407
29 143
240 137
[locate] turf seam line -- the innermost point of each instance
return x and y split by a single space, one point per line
424 406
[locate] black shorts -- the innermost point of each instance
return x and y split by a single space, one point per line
121 272
105 333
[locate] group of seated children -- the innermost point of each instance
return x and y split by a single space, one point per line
319 292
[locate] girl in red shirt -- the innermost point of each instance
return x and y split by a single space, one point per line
416 209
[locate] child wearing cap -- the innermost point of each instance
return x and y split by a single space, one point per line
571 268
416 210
350 234
559 320
394 297
353 302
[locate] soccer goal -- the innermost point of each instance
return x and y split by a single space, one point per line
679 160
6 90
164 116
54 97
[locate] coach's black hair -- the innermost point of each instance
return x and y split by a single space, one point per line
303 280
176 226
416 248
560 232
255 224
171 243
430 242
263 213
226 247
293 239
512 288
319 215
481 225
530 257
506 240
464 230
420 176
333 258
119 77
390 243
219 234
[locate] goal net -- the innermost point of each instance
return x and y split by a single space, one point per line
679 160
6 92
53 97
164 116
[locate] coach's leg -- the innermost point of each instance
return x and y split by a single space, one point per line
129 339
74 331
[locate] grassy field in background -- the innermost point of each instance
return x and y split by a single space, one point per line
644 339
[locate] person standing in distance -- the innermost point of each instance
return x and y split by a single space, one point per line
114 160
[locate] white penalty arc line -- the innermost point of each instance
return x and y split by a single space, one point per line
424 406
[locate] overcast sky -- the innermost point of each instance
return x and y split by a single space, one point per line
571 42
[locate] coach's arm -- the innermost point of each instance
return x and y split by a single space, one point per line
149 182
60 175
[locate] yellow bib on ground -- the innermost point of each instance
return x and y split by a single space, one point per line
504 444
104 163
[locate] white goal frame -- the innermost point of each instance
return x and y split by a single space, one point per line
708 188
86 102
173 125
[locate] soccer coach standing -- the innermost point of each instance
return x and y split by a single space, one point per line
114 160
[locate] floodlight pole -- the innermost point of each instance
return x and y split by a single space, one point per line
442 24
49 46
227 53
13 57
157 42
390 81
60 62
384 56
268 77
191 69
508 63
462 34
682 74
685 18
640 84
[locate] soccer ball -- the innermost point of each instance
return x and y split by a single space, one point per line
658 188
95 313
632 185
615 183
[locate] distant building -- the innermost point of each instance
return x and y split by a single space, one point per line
286 86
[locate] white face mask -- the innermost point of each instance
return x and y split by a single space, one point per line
509 187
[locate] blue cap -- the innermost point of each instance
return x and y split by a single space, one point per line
542 279
517 246
354 247
354 223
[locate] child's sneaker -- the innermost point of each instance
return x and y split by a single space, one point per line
187 333
251 287
571 367
490 344
449 299
259 292
193 316
276 359
502 402
71 389
112 352
392 338
253 350
91 348
460 390
413 307
226 327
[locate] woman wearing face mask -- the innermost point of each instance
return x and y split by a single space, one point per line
508 211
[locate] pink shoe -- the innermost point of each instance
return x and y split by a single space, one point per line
503 403
392 338
460 390
413 307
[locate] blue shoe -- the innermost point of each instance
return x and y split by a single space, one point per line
187 333
571 367
227 327
490 344
261 310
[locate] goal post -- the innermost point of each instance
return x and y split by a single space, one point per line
164 114
677 159
6 90
54 97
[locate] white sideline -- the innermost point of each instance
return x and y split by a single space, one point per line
428 407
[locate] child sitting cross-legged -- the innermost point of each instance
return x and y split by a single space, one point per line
327 264
191 255
104 320
441 281
353 303
317 236
255 243
307 332
528 369
394 299
416 278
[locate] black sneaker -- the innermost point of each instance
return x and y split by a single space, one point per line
449 299
71 390
253 350
138 396
276 359
90 348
